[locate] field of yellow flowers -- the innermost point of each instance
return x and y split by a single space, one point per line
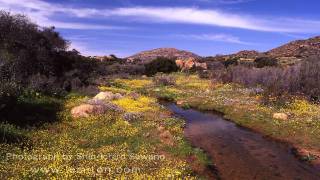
105 146
108 146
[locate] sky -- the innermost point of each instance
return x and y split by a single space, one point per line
205 27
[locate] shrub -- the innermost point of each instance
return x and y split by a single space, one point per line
310 78
216 65
117 68
11 134
265 61
9 93
231 61
204 74
29 49
220 76
160 64
300 79
37 58
45 85
164 80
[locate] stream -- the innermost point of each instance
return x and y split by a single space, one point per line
238 153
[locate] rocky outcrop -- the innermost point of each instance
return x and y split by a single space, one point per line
107 96
190 63
85 110
180 63
280 116
180 102
100 104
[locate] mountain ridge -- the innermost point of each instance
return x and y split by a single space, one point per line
171 53
297 48
294 49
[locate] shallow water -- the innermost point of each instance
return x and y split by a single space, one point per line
241 154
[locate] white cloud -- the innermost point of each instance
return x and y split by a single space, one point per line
43 13
216 37
225 1
217 18
186 15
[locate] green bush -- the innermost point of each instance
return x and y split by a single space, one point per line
38 58
265 61
12 134
160 64
9 93
231 61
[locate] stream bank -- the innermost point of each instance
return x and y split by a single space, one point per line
239 153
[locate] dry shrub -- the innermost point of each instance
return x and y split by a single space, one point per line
164 80
300 79
117 68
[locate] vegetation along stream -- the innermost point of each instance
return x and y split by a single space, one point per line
239 153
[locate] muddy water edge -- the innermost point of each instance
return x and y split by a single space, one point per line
238 153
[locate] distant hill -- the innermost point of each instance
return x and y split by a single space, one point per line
163 52
289 53
299 49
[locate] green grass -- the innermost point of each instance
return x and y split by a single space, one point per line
109 134
34 110
12 134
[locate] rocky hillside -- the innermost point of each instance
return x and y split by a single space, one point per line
163 52
289 53
299 48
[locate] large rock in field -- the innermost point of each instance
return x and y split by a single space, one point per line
180 102
280 116
107 96
85 110
94 107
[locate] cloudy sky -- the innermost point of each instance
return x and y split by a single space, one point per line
206 27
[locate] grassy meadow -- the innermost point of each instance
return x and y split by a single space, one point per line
153 145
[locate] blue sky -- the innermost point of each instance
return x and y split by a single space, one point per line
206 27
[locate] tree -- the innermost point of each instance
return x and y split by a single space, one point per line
265 61
231 61
160 64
